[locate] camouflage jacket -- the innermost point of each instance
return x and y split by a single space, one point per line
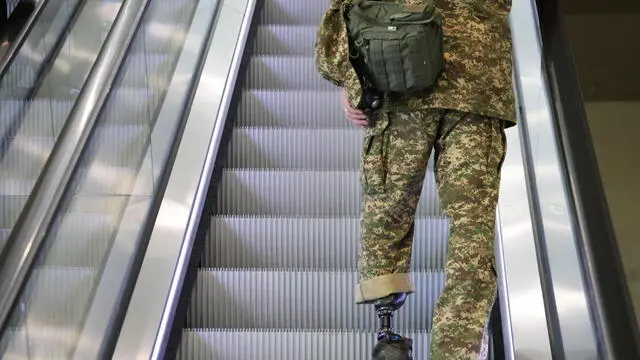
478 63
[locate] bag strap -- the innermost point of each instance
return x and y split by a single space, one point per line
360 5
355 57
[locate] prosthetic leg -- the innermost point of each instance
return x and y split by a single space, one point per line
391 346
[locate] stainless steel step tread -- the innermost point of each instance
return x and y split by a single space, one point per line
309 109
309 243
292 12
299 299
285 72
316 149
222 344
303 193
285 40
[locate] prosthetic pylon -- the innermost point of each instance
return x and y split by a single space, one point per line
391 346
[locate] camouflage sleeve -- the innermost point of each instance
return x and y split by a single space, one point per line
332 48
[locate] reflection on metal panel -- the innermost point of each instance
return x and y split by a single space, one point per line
161 45
524 319
158 286
576 331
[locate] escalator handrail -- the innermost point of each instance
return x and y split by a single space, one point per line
10 55
610 301
34 221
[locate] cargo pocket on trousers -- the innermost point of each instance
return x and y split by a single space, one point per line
375 152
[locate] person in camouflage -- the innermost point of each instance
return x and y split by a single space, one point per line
463 119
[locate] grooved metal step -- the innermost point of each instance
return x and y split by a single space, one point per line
291 12
285 40
296 299
303 193
278 271
224 344
309 243
299 149
285 73
291 109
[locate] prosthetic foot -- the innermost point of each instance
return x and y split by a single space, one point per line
391 346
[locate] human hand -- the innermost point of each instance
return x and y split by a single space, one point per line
356 116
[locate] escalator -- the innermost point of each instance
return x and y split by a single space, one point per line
277 275
273 247
114 173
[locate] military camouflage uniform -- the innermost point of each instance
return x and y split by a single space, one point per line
463 119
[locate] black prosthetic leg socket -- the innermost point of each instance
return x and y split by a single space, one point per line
391 346
387 349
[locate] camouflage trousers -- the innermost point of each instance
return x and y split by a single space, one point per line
469 150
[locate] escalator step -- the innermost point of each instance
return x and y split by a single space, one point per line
277 275
285 73
295 149
300 149
309 243
303 193
266 299
291 109
287 12
285 40
222 344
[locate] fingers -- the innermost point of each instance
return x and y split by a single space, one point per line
356 116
